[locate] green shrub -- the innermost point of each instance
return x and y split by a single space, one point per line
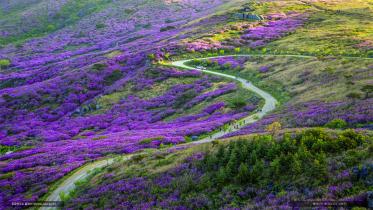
185 97
151 56
129 11
196 62
113 77
337 123
227 66
99 138
11 83
167 28
149 140
354 96
100 25
152 73
51 27
370 54
367 89
4 63
99 66
188 139
237 102
4 149
8 175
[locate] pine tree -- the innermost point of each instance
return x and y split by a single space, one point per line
211 162
244 153
296 168
253 158
233 163
275 167
220 155
221 176
257 171
243 175
319 168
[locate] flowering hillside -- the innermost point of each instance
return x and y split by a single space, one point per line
255 172
86 81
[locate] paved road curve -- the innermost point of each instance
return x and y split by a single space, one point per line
270 104
69 184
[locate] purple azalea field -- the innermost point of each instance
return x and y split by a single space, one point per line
186 104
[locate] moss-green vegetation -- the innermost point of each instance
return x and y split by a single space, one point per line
150 140
5 149
97 67
113 77
159 89
337 123
113 54
4 63
11 83
99 138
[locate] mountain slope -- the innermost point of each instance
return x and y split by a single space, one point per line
92 79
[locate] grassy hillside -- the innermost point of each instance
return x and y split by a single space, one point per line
83 80
326 76
24 20
329 88
249 172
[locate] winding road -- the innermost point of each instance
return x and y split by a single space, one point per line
68 184
269 105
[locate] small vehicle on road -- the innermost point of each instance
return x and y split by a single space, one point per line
201 67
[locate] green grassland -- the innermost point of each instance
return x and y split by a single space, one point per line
305 79
332 30
343 28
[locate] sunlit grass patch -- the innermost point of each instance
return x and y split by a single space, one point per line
159 89
331 33
113 54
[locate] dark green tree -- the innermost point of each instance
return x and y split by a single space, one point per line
367 89
233 163
220 155
221 176
211 162
243 175
257 171
319 169
354 96
275 167
296 167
